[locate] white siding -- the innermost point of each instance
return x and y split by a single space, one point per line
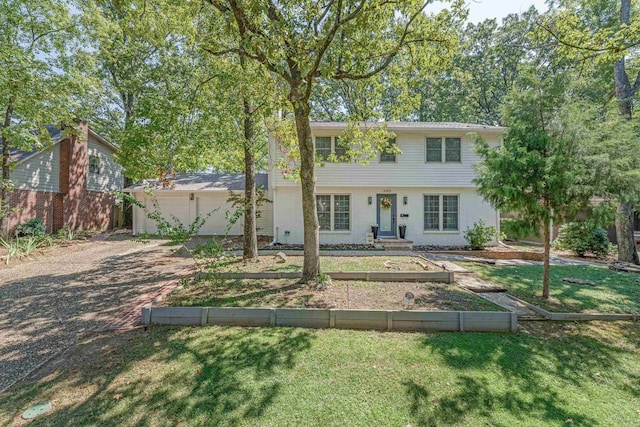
40 172
409 170
471 209
110 177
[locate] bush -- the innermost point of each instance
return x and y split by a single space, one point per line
480 234
515 229
33 227
583 237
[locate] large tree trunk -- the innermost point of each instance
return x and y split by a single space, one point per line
627 251
6 164
547 255
311 266
250 243
624 233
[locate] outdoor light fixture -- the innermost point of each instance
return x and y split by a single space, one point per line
370 200
190 196
405 199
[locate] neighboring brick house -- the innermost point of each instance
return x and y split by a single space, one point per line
67 185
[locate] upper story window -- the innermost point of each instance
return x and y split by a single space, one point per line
448 149
94 164
323 147
326 145
385 156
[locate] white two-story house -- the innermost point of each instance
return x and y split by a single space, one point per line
428 187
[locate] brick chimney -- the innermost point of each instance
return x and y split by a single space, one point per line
74 161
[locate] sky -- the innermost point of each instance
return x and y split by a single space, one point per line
479 10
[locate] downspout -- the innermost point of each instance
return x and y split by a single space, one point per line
275 216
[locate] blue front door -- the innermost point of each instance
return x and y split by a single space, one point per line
386 215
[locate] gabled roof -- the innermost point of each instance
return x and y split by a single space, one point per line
191 182
468 127
21 155
56 136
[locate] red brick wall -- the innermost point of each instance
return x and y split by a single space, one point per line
30 204
75 206
87 210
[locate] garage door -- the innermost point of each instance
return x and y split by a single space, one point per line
217 206
170 206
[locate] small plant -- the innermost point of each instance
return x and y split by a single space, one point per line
211 249
21 246
583 237
480 234
67 233
33 227
323 281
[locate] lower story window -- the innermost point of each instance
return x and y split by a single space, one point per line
334 212
441 213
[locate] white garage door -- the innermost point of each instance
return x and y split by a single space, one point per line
170 206
217 206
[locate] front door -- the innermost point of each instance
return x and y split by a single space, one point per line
386 215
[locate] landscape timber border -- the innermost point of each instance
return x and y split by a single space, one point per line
386 320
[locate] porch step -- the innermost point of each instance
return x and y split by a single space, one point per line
393 244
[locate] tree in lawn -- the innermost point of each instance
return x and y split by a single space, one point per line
38 83
303 41
608 33
168 102
538 171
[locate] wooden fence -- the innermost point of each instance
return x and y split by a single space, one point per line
391 320
382 276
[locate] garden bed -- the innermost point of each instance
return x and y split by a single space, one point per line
233 264
339 295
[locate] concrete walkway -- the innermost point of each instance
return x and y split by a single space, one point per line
48 303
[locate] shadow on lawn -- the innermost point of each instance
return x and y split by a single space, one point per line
614 292
530 369
170 376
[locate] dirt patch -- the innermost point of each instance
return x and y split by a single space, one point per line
339 295
268 263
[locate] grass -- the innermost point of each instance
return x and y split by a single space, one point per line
341 294
569 374
327 264
614 292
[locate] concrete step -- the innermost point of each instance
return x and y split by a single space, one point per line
393 244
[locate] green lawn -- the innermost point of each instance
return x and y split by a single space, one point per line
567 374
614 292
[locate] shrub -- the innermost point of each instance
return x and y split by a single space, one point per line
515 229
583 237
33 227
480 234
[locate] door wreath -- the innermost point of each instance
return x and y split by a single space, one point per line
385 203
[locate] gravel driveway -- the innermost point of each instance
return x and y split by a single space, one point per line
46 304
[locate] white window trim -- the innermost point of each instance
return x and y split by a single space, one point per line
395 161
332 203
440 229
443 151
333 148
